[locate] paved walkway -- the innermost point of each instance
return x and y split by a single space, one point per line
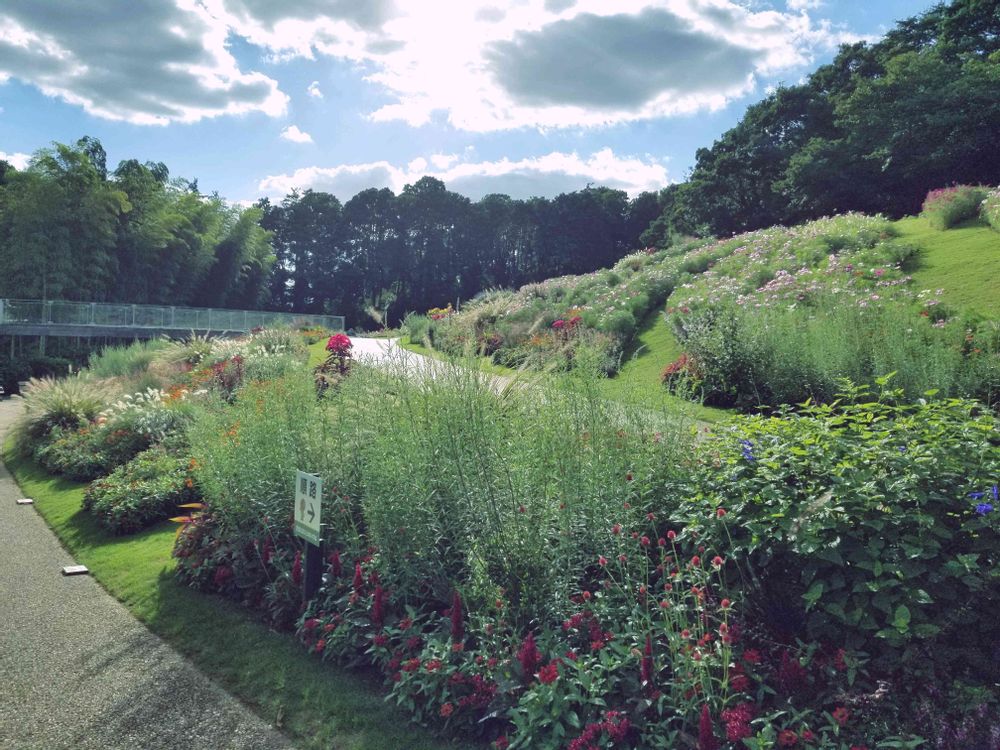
388 353
78 671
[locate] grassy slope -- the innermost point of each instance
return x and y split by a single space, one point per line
319 705
964 261
638 380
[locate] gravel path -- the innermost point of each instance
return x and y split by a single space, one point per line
78 671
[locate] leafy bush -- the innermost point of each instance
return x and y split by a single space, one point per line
129 426
12 373
990 210
868 524
124 361
147 489
946 207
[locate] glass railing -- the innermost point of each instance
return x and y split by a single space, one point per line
54 312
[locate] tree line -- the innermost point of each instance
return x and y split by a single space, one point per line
873 131
70 229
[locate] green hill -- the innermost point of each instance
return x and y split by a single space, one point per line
964 262
769 317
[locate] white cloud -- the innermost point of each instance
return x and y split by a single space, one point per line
484 65
799 5
293 134
546 175
487 65
155 62
19 160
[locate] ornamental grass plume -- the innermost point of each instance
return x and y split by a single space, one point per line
706 732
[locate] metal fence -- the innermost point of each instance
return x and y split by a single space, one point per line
53 312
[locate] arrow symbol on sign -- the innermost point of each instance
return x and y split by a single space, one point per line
312 513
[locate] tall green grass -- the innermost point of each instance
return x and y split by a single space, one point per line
773 356
455 484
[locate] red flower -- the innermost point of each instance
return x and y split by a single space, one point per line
808 736
725 604
297 569
549 673
646 669
706 732
335 565
644 541
616 529
841 715
787 738
717 561
359 578
739 682
737 721
446 710
501 742
528 656
720 512
320 645
661 542
310 624
695 561
602 560
671 535
432 665
751 656
339 344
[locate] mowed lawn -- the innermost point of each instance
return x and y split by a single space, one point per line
639 379
964 262
318 705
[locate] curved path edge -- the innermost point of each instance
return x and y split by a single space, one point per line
77 670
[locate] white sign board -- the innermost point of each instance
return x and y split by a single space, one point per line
308 493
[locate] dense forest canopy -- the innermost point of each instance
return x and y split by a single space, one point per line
872 131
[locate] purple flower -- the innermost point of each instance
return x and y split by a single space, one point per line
977 495
983 508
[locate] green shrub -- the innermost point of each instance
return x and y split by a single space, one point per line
417 327
990 210
867 524
946 207
147 489
12 373
124 361
620 323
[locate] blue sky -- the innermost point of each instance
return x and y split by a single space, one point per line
527 97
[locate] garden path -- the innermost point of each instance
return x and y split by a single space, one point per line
78 671
388 353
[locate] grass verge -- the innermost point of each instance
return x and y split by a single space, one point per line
638 379
963 261
317 705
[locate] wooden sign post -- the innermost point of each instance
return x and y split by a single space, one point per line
308 515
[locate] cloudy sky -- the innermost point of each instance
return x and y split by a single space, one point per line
525 97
